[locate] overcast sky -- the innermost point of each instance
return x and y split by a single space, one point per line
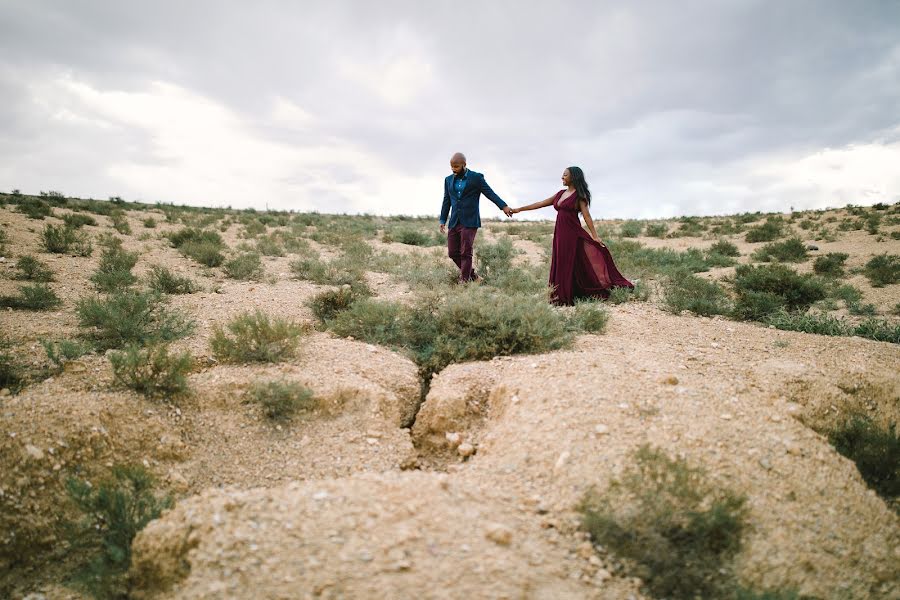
671 108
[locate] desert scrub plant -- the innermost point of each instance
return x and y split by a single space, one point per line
152 371
725 248
269 246
326 305
281 400
114 271
631 229
201 245
334 272
62 351
162 280
113 511
78 220
588 316
492 260
658 230
34 208
879 330
762 290
12 373
639 293
690 227
33 269
38 296
883 270
790 250
678 531
410 237
244 267
831 264
149 223
688 292
876 451
128 317
255 337
4 241
60 239
771 230
120 222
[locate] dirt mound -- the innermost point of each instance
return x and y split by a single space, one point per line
412 535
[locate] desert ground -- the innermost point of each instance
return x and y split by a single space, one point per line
422 439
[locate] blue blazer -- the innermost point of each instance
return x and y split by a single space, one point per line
463 207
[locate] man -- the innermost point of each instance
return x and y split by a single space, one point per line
462 193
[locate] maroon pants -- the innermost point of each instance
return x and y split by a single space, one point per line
460 241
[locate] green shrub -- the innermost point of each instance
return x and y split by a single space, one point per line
878 330
12 375
657 230
875 450
620 295
32 269
694 294
149 223
151 371
256 338
335 272
412 237
162 280
873 329
128 317
247 266
269 246
281 400
726 227
120 223
205 253
831 264
714 259
631 229
725 248
63 351
589 316
883 270
191 234
690 227
769 231
114 271
114 511
492 260
762 290
38 296
326 305
789 250
34 208
254 228
57 239
636 260
78 220
677 531
110 241
4 240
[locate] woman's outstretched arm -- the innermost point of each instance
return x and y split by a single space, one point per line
536 205
586 213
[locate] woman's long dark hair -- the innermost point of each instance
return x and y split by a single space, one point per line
580 184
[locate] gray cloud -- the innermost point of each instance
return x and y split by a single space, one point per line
671 108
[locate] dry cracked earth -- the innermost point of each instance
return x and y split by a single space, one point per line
478 498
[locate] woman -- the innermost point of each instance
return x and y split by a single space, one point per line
581 265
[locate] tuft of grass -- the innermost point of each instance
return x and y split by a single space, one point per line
725 248
202 245
269 246
326 305
34 208
114 271
771 230
152 371
790 250
33 269
620 295
631 229
883 270
63 351
113 511
876 452
589 316
678 531
342 271
120 223
873 329
493 260
12 373
281 400
128 317
690 227
762 290
149 223
694 294
60 239
657 230
162 280
244 267
78 220
38 296
256 338
831 264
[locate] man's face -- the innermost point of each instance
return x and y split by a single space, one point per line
457 166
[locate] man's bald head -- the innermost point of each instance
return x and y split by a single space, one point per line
458 163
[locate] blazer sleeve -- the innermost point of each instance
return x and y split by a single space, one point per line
445 207
491 194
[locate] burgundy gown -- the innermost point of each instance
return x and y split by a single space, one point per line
580 267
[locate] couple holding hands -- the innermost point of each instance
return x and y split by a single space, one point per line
581 265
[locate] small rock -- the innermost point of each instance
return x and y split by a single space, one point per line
499 534
765 464
34 452
454 438
726 416
5 392
466 449
562 460
714 345
601 429
812 247
671 380
602 575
